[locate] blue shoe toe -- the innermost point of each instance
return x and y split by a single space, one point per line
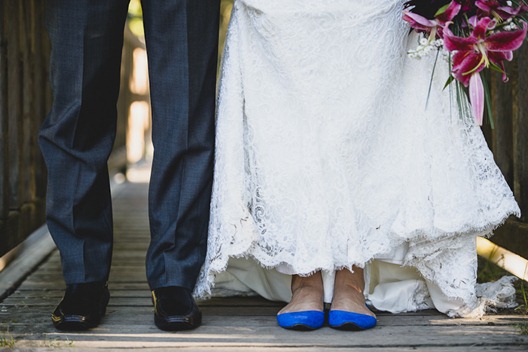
343 320
305 320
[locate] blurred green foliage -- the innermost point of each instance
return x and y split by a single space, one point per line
135 18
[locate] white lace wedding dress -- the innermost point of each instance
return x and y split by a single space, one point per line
327 157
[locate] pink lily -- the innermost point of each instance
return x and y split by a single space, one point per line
449 13
434 26
476 97
418 22
497 10
479 51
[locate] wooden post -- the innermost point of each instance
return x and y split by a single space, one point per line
27 172
3 125
510 147
24 100
520 133
41 91
14 112
502 140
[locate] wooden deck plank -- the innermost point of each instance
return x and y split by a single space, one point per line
142 315
229 324
227 332
58 344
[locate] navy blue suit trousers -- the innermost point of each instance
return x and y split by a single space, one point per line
78 134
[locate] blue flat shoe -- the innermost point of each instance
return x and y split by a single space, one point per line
305 320
343 320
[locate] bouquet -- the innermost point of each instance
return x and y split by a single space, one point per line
475 35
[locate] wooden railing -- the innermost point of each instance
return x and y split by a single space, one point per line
24 101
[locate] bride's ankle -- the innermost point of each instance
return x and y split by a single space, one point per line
348 292
314 282
307 294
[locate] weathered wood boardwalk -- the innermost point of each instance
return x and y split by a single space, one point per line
230 324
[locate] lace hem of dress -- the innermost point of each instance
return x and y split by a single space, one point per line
422 253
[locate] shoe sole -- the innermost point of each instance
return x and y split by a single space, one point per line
71 323
347 327
178 324
299 327
77 322
350 321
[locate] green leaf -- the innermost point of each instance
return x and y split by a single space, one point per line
448 82
441 10
487 99
496 68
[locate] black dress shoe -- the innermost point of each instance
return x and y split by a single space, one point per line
82 307
175 309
